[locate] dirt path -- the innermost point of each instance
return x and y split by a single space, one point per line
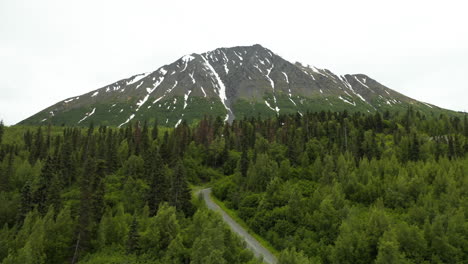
251 242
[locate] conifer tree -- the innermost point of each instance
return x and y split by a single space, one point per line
145 137
388 252
155 130
6 173
26 204
414 148
48 189
133 239
155 172
111 157
181 194
83 232
244 163
2 130
37 147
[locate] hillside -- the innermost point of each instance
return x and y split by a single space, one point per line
228 82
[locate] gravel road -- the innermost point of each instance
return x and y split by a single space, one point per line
251 242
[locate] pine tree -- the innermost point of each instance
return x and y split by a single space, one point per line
48 189
37 147
414 148
165 150
137 138
83 232
133 239
388 250
28 139
26 204
244 163
145 137
67 163
6 173
2 130
155 172
155 130
98 191
181 194
111 157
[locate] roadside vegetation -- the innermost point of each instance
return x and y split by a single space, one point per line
322 188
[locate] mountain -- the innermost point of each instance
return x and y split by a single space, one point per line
230 82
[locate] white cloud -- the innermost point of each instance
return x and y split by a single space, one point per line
51 50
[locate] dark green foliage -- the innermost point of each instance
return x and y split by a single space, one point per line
180 192
48 187
2 130
322 188
155 171
133 240
26 204
290 256
244 163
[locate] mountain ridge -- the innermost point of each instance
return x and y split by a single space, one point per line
230 82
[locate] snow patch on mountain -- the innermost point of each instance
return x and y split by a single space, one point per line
272 83
191 76
286 77
137 77
149 91
203 91
240 57
221 89
269 106
186 96
138 86
186 59
316 70
346 101
128 120
87 115
363 84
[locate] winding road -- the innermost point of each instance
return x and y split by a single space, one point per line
251 242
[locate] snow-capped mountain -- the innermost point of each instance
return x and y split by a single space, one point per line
230 82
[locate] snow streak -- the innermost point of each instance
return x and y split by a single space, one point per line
221 88
87 115
128 120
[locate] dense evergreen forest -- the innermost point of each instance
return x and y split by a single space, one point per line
320 188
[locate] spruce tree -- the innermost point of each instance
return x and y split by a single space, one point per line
83 232
26 204
414 148
133 240
244 163
2 130
155 172
111 157
48 188
6 173
181 194
37 147
145 137
155 130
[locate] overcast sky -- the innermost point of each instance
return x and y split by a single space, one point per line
52 50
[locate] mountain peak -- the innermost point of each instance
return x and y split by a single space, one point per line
230 82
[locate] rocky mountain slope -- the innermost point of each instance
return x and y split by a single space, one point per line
230 82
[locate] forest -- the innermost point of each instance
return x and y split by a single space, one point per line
325 187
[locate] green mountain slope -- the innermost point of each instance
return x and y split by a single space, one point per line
229 82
